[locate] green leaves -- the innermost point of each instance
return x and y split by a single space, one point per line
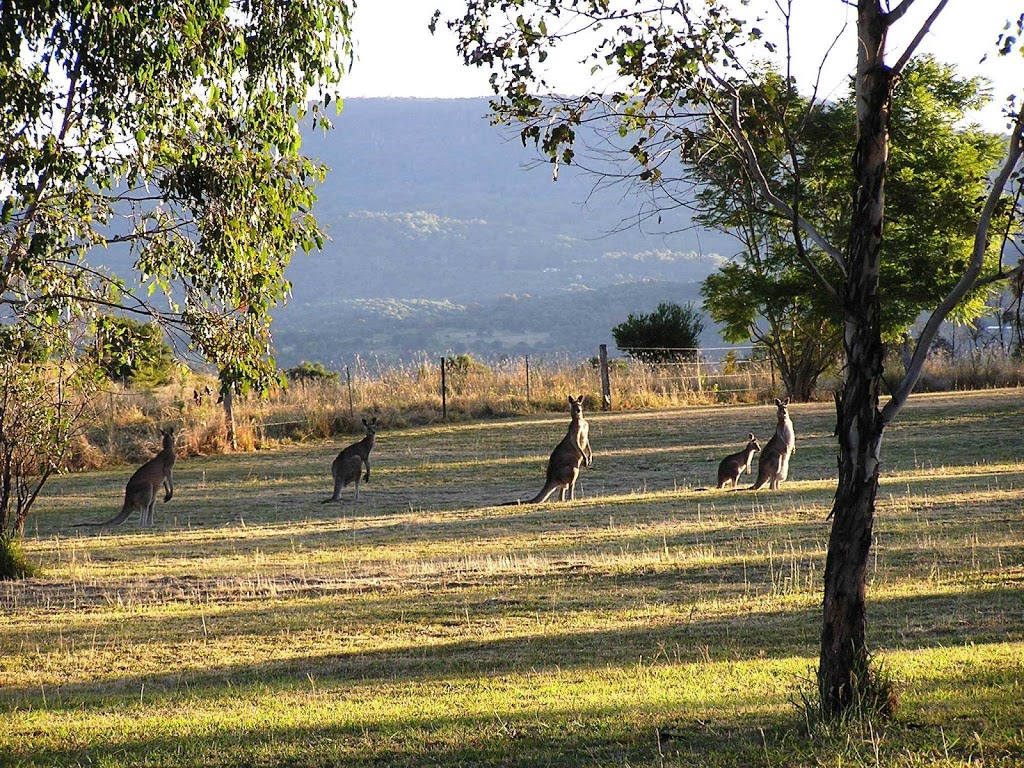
210 191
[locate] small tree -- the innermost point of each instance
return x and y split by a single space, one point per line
310 373
670 333
41 409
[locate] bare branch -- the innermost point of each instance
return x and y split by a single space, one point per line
896 14
732 125
969 280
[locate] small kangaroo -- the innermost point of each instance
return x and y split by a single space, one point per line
773 464
735 464
349 465
142 488
565 461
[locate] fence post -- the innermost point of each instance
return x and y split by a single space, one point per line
348 383
527 381
606 387
444 391
229 416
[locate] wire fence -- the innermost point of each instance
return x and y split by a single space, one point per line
438 388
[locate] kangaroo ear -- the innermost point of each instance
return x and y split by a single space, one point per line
373 421
786 401
751 435
364 422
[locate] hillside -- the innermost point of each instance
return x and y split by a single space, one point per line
443 240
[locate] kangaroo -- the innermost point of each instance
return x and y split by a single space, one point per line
773 465
565 461
349 465
735 464
141 491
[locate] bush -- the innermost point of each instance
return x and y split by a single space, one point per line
130 351
669 334
13 564
310 373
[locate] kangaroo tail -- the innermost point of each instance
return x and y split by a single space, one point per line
117 519
546 491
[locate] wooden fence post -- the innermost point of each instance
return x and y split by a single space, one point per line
606 387
348 382
527 380
444 391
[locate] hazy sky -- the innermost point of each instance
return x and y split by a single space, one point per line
397 55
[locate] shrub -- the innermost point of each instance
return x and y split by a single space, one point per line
13 564
670 333
310 373
127 350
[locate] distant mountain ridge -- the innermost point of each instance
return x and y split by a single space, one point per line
441 241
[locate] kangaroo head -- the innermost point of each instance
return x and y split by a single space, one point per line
782 407
753 444
168 435
371 426
576 405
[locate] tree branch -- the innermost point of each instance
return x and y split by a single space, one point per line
969 280
781 205
894 16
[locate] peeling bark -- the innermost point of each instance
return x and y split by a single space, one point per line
843 660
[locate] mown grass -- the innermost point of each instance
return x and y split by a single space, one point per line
648 623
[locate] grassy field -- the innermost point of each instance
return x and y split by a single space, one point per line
648 623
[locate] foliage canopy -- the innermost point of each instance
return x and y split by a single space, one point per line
168 130
671 332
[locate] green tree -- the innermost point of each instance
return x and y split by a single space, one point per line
938 169
167 131
128 350
310 373
679 72
669 333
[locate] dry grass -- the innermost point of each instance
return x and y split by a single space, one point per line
647 623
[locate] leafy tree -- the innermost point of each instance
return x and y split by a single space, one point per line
669 333
680 71
128 350
770 296
306 373
167 131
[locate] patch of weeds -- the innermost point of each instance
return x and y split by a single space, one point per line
876 698
13 564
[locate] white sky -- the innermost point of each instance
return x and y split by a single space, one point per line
397 55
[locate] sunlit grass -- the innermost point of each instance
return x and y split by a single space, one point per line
650 622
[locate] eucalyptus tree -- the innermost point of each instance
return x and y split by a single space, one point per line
676 72
168 131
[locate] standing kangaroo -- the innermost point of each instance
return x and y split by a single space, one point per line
349 465
565 461
735 464
773 465
142 488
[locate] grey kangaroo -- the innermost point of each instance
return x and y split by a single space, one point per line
141 491
349 465
773 465
568 456
735 464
